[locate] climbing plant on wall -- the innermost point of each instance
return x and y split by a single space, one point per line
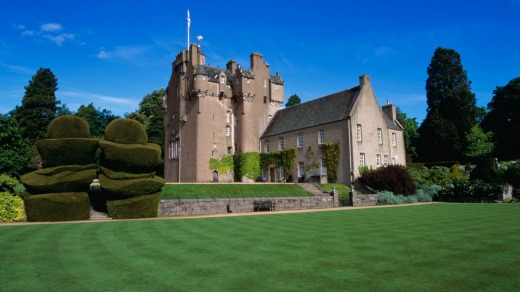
224 165
247 164
284 158
330 152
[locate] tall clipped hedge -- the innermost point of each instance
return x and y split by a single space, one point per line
247 165
330 152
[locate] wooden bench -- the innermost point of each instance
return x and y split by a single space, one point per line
263 205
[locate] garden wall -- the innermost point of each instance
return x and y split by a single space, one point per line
365 200
187 207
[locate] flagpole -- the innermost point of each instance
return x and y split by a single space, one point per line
189 22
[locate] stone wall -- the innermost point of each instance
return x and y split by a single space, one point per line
187 207
365 200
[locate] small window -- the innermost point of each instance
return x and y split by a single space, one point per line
228 131
222 79
386 160
266 146
378 160
230 150
299 143
280 144
276 87
248 81
380 136
265 99
358 132
393 161
203 77
323 167
362 159
394 140
264 83
228 117
321 136
301 169
280 172
173 151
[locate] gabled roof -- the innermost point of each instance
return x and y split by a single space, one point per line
213 73
324 110
248 73
390 123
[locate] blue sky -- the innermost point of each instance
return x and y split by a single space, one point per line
112 53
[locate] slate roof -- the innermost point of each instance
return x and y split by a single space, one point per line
324 110
248 73
276 79
213 73
391 124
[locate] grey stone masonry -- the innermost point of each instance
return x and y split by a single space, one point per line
188 207
364 200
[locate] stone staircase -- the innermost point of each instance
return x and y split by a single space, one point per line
313 189
95 215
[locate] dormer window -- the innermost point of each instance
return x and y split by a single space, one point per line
222 79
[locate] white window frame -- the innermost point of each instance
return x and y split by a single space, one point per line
264 83
359 132
393 161
380 135
299 141
228 117
386 160
280 144
222 79
323 167
362 160
280 172
301 169
321 136
394 139
267 146
378 160
228 131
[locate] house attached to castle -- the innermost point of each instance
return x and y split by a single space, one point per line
211 112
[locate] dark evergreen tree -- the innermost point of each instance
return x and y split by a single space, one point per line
503 119
451 112
15 152
293 100
39 105
151 115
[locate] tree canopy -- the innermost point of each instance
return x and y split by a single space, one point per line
15 152
480 144
451 111
293 100
411 135
39 105
97 119
503 119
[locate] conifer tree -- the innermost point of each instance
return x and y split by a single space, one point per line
39 105
451 111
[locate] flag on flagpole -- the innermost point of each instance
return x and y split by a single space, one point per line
189 20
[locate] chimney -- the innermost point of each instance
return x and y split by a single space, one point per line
256 59
390 111
364 80
231 66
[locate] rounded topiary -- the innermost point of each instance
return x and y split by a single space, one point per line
126 131
68 127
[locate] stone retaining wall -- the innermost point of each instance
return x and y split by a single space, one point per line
365 200
187 207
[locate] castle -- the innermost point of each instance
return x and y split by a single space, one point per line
211 112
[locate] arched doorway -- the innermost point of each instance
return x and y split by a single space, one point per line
215 176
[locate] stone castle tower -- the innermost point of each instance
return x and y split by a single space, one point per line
212 111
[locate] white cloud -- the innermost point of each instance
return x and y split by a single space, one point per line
17 69
59 39
122 53
51 27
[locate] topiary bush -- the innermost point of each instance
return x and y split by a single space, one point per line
57 206
68 126
131 187
126 131
137 207
46 181
135 158
11 208
393 178
67 151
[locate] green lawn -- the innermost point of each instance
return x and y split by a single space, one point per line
208 191
434 247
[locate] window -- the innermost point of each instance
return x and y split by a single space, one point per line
173 151
380 136
393 161
265 99
362 159
230 150
276 87
222 79
264 83
378 160
280 172
321 136
280 144
323 167
228 117
386 160
300 140
248 81
358 132
394 142
228 131
301 169
266 146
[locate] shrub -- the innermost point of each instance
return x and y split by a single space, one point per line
55 152
46 181
512 176
135 158
386 198
438 175
8 184
131 187
247 165
426 193
393 178
457 173
11 208
343 192
364 169
126 131
330 153
485 170
68 126
57 206
137 207
470 191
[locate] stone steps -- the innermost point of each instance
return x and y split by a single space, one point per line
312 188
95 215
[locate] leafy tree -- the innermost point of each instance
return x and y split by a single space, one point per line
97 119
411 135
451 111
39 105
151 115
15 151
479 143
63 110
293 100
503 119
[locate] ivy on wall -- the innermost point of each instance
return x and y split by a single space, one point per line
284 158
224 165
330 152
247 164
